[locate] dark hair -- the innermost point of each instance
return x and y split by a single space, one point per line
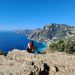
32 42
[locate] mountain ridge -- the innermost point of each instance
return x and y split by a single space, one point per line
50 32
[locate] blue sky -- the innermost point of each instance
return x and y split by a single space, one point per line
31 14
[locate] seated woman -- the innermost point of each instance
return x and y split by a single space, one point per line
31 48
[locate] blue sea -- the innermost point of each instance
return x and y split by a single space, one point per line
11 40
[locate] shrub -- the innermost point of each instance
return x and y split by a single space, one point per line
2 53
66 45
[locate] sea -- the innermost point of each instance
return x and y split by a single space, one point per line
10 40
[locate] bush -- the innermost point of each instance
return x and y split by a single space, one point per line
1 53
66 45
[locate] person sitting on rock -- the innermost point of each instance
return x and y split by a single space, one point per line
31 47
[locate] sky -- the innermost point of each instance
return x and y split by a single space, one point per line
31 14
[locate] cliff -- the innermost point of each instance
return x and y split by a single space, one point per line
50 32
19 62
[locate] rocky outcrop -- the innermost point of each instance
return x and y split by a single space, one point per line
51 32
19 62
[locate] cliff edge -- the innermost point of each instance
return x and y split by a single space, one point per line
19 62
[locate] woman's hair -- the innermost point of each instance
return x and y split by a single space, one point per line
32 42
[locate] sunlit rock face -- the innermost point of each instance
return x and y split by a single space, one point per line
18 62
50 32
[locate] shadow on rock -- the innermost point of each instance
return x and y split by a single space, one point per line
45 71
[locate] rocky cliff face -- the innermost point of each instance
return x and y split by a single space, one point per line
19 62
50 32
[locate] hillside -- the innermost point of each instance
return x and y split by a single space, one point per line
50 32
19 62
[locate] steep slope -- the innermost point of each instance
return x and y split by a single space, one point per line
51 32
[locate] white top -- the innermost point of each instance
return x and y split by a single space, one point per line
29 45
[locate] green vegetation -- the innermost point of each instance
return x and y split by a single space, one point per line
1 53
64 45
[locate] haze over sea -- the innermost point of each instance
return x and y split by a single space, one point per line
11 40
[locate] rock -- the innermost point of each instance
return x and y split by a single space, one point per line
50 32
3 59
54 69
48 64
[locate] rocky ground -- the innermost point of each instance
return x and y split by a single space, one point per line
19 62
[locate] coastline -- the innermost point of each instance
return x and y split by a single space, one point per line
45 44
20 43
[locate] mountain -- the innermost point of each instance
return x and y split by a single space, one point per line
50 32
